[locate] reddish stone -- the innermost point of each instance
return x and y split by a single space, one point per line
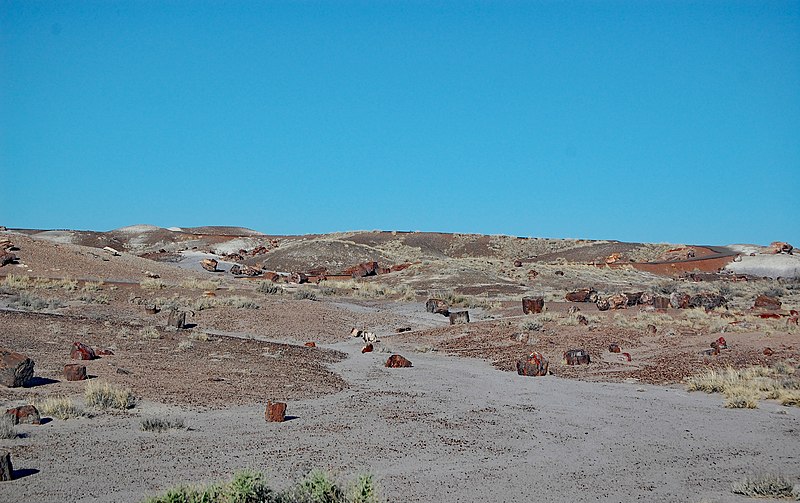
367 349
651 329
532 305
722 343
582 320
397 361
81 351
614 348
400 267
459 317
679 300
15 369
103 352
310 344
26 414
661 302
363 270
768 352
781 247
793 317
767 316
627 356
618 301
298 277
534 365
517 263
275 412
767 302
532 274
577 357
74 372
602 304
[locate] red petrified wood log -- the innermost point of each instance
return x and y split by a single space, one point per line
397 361
26 414
74 372
532 305
275 412
81 351
533 365
577 357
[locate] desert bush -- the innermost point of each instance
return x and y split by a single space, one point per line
200 284
743 388
18 282
764 486
91 286
250 487
106 396
184 345
238 302
161 424
268 288
150 333
152 284
201 336
60 407
531 326
304 294
94 299
7 430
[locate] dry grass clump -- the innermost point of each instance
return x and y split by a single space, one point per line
304 294
531 326
250 487
91 286
106 396
766 486
152 284
200 284
161 424
268 288
150 333
60 407
25 301
238 302
743 388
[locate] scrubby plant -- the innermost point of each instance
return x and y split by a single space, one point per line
238 302
149 333
765 486
161 424
304 294
60 407
743 388
152 284
268 288
531 326
106 396
199 284
91 286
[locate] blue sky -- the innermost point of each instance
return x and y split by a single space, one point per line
638 121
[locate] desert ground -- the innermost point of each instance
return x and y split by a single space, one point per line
460 424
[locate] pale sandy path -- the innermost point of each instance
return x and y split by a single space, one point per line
448 429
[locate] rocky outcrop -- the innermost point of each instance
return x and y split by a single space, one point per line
15 369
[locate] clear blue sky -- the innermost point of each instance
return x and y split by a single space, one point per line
639 121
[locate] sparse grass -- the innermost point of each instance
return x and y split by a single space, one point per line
238 302
94 299
201 336
60 407
743 388
152 284
198 284
106 396
185 345
150 333
531 326
7 430
90 286
250 487
27 301
304 294
161 424
765 486
268 288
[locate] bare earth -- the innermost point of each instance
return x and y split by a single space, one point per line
460 425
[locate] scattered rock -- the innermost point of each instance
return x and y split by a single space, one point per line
81 351
7 258
209 264
627 356
707 300
767 302
651 329
6 468
400 330
618 301
26 414
517 263
614 348
646 299
235 270
152 309
768 316
367 349
397 361
559 273
793 317
15 369
437 306
768 352
298 277
577 357
310 344
660 302
363 270
603 304
634 298
679 300
459 317
573 309
722 343
112 251
534 365
75 372
532 274
781 247
582 320
103 352
532 305
275 412
177 319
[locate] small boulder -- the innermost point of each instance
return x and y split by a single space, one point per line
459 317
651 329
618 301
26 414
310 344
768 352
707 300
533 305
397 361
6 468
577 357
15 369
75 372
275 412
367 349
235 270
209 264
614 348
81 351
767 302
584 295
534 365
582 320
7 258
660 302
437 306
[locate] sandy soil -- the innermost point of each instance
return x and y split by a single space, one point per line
447 429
